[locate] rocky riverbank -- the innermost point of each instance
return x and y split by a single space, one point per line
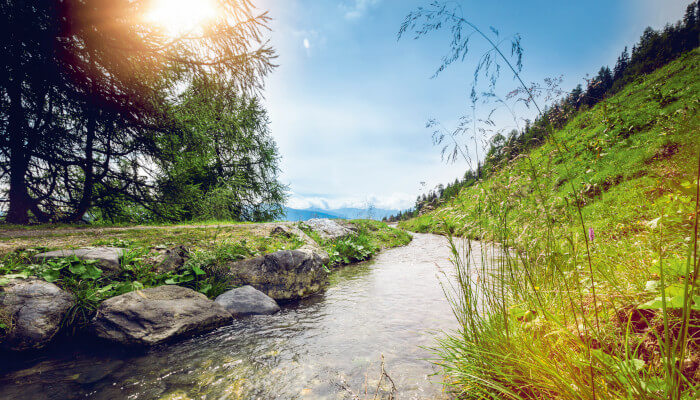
140 296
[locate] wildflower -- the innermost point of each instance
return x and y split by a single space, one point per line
591 234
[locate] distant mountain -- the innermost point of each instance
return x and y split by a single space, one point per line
293 214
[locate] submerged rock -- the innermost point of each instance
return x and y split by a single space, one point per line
247 300
107 257
327 228
34 310
282 275
154 315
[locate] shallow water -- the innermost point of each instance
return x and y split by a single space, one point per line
325 347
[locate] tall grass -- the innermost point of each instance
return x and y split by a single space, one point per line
546 309
531 327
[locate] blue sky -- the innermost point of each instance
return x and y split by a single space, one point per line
348 103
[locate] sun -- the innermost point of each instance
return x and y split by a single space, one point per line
180 17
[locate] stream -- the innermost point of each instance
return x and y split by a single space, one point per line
325 347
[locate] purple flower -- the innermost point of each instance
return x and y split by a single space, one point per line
591 234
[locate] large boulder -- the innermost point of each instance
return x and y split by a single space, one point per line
108 258
154 315
327 228
33 309
247 300
282 275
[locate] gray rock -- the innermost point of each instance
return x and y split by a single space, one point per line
108 258
155 315
327 228
310 244
36 309
282 230
247 300
319 253
282 275
173 259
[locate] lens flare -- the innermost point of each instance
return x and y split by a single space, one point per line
180 17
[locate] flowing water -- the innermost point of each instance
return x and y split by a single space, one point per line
325 347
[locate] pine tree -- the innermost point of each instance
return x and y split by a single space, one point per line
621 65
575 97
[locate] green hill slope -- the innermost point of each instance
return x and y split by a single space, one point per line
581 308
622 155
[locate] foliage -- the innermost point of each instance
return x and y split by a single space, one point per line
87 94
350 249
224 164
369 237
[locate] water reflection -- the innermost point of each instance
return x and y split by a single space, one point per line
319 348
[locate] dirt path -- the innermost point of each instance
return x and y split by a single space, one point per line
32 233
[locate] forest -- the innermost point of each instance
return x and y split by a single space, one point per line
106 117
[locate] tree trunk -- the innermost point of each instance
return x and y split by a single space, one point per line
19 160
88 169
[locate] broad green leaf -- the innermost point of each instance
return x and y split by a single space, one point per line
657 303
197 270
91 272
77 268
674 290
51 275
676 302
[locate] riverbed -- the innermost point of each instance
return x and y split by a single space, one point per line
328 346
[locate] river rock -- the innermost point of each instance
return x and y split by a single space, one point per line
173 259
35 310
108 258
327 228
154 315
309 243
247 300
282 275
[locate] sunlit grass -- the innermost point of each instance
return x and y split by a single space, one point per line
568 314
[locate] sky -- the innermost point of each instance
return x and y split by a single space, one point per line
348 103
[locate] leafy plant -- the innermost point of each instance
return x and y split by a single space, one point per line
71 267
350 249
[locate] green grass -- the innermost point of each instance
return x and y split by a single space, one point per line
370 236
565 317
210 249
256 237
106 224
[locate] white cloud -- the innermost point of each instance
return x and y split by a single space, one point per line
358 8
306 43
394 201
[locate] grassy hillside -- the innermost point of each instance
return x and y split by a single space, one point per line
598 298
